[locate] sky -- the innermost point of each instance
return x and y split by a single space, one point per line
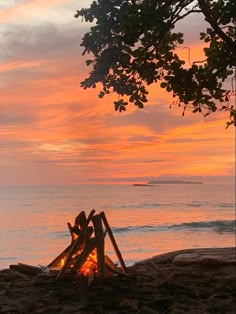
54 132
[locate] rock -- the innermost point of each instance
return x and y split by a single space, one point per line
167 258
9 275
205 257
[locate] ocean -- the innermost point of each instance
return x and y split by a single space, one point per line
146 220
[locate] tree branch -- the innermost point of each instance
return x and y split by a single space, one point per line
209 17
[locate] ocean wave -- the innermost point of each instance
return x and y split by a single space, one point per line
57 234
226 205
142 205
220 226
194 204
167 205
216 225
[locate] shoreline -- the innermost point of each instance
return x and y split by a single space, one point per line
184 281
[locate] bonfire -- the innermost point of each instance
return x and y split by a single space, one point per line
85 255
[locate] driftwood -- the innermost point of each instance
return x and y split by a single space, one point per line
113 241
26 269
99 235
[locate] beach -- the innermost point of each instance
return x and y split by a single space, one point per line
184 281
179 249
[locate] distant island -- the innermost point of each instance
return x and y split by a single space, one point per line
174 182
142 184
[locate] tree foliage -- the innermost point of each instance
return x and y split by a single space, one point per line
133 44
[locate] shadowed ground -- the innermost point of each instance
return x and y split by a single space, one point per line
186 281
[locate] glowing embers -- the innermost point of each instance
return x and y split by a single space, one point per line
86 254
90 265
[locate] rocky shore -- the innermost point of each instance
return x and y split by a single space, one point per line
187 281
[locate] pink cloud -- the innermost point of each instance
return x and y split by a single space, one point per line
4 67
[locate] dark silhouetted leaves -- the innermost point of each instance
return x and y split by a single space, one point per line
133 44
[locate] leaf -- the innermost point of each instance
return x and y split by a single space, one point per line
202 35
163 84
101 94
139 104
195 110
168 88
131 99
88 62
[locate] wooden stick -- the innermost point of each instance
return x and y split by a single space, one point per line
76 230
73 236
99 235
110 262
84 255
76 244
115 271
60 256
113 241
80 220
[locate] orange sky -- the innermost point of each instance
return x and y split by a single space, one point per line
52 131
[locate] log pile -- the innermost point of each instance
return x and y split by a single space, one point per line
86 253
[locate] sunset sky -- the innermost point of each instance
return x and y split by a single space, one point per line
53 131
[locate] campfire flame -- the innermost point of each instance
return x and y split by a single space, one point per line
90 265
88 268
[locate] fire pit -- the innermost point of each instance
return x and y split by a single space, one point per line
85 255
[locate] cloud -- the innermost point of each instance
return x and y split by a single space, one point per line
18 65
143 138
155 118
18 10
40 42
16 118
51 130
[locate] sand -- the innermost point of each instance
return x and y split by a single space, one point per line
187 281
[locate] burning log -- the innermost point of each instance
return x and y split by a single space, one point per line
99 235
60 257
80 260
76 244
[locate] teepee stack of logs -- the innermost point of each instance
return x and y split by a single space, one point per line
86 253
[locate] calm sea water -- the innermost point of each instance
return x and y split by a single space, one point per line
146 221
